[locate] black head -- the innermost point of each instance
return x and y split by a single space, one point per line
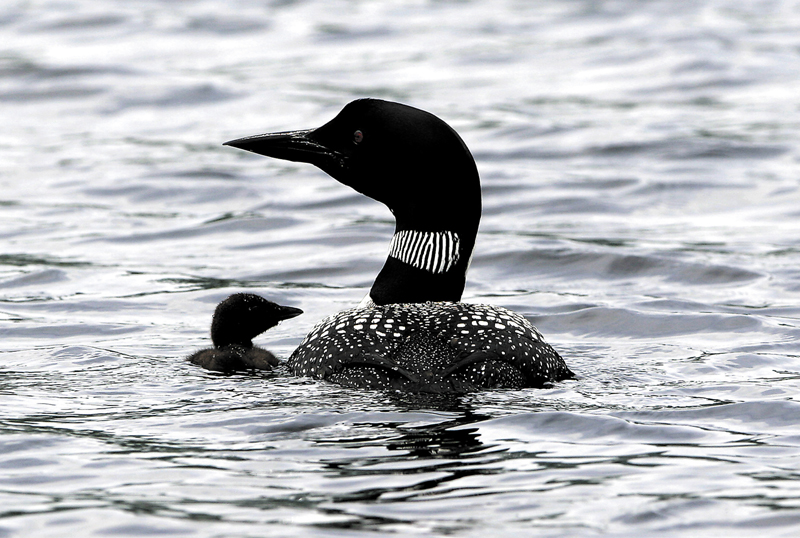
243 316
411 161
406 158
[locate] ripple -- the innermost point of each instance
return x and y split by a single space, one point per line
198 94
640 193
36 278
614 322
568 263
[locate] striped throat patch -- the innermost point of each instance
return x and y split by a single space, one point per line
436 252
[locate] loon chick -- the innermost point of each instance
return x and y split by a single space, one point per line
237 320
411 332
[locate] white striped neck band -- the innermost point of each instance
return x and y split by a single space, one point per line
435 252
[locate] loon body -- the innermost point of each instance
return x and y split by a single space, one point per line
411 332
237 320
431 347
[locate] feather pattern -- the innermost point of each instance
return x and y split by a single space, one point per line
435 252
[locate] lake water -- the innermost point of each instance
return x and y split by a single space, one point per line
641 180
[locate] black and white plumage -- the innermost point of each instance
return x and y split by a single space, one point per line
237 320
440 347
411 332
435 252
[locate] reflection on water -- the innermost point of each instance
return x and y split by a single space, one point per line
640 179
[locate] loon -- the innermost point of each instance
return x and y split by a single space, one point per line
237 320
411 332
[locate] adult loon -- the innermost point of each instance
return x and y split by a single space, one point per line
411 332
237 320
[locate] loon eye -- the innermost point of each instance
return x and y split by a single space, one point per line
358 136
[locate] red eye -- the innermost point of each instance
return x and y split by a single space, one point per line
358 136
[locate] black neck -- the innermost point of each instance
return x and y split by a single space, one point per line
222 342
409 276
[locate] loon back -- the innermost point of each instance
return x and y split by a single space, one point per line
418 166
432 347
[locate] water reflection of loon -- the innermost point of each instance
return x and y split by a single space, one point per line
411 332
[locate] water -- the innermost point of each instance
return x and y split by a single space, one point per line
641 206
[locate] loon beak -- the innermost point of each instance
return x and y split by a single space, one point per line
298 146
287 312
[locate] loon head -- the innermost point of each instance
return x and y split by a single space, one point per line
243 316
415 164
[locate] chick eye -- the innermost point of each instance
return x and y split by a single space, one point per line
358 136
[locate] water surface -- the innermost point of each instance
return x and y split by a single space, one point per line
641 206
